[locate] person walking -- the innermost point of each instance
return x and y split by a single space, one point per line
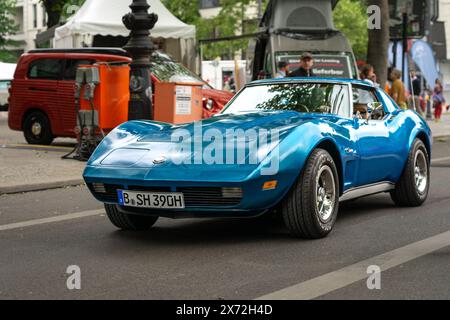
416 88
438 101
306 65
397 91
283 70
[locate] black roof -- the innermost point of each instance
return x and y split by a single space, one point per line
113 51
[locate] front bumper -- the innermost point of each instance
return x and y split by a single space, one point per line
203 198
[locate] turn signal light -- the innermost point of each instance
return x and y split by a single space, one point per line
270 185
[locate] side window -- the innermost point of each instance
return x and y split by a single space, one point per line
362 96
48 69
70 69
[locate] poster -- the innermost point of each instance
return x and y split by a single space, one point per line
183 98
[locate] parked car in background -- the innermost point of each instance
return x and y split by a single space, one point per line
6 75
42 102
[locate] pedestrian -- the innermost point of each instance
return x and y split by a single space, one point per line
438 101
416 88
397 91
367 74
283 70
306 65
388 85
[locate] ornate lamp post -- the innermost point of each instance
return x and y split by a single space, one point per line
140 47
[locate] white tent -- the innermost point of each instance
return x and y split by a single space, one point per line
104 18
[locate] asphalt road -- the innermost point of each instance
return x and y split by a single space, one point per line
225 259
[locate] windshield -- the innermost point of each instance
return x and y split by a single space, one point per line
301 97
165 69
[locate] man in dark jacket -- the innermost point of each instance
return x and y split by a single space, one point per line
305 69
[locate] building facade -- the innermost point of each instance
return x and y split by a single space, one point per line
31 19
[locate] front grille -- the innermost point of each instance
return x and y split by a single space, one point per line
209 197
110 194
193 196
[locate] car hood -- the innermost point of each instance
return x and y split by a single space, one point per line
225 143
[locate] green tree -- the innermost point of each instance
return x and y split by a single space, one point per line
185 10
230 21
8 27
350 17
57 9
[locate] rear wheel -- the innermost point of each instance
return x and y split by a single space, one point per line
37 128
412 188
310 209
128 221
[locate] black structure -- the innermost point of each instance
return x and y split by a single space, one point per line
140 48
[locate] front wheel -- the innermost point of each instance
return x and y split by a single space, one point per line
310 210
412 188
128 221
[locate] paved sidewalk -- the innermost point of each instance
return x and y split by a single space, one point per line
24 170
442 128
31 170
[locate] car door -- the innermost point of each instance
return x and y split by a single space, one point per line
66 94
43 76
378 153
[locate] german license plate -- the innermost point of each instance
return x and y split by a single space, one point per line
161 200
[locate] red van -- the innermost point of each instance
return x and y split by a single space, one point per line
41 102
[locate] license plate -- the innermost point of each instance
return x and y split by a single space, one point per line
161 200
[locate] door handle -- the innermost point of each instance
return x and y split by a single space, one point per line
41 89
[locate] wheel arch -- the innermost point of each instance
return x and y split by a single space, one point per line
331 147
421 135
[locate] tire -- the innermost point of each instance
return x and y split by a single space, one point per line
301 212
128 221
412 188
37 128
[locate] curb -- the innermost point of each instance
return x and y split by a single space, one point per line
40 186
441 136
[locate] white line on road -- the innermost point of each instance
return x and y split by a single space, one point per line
440 159
65 217
341 278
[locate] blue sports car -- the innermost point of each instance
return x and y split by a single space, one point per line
292 147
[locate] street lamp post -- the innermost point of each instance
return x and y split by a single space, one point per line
140 48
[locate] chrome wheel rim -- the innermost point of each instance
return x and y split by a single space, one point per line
420 172
36 128
325 193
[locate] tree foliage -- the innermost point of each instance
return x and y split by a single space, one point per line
56 9
7 24
8 27
350 17
230 21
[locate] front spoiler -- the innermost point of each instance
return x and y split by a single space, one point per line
182 214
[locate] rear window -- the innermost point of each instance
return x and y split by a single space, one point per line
49 69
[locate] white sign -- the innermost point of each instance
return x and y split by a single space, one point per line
183 98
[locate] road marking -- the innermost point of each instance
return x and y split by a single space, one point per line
341 278
65 217
439 159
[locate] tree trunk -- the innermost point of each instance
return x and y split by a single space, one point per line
53 16
377 49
